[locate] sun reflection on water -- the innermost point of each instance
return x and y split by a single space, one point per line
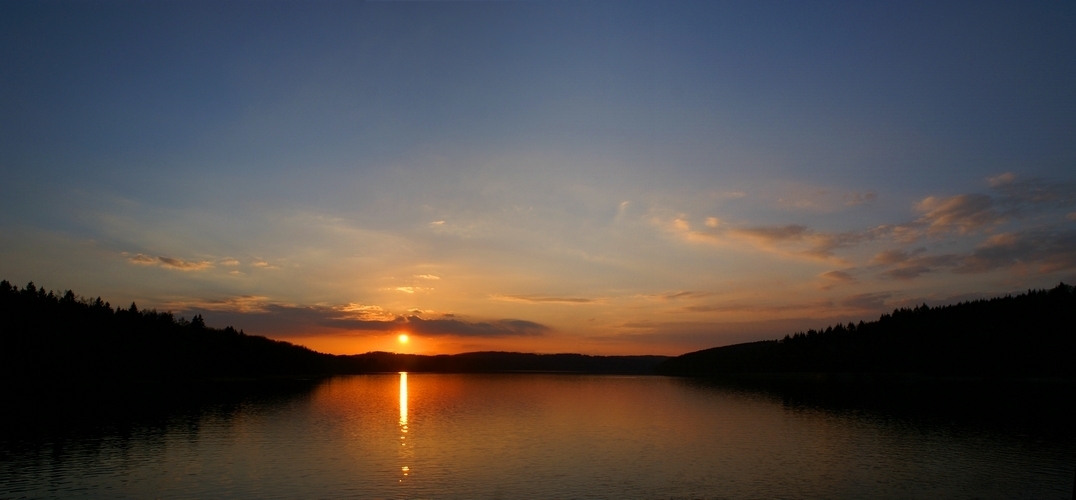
405 453
403 401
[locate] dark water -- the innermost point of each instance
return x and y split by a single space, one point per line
533 436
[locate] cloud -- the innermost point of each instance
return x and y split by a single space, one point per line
895 256
411 289
184 265
1042 250
1048 250
1012 198
831 279
241 304
683 295
369 313
1001 180
866 301
229 262
838 276
790 240
961 214
168 262
427 277
759 308
542 298
945 220
798 240
911 266
908 272
856 199
256 315
140 259
821 200
1019 195
499 328
773 234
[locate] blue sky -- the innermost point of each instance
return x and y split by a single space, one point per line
604 177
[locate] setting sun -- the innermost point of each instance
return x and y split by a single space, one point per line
403 338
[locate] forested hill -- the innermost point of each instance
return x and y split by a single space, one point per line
1029 335
45 335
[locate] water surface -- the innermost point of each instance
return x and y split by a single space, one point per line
532 436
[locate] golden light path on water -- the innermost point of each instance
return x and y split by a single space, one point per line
405 453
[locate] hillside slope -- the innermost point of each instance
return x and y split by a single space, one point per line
1029 335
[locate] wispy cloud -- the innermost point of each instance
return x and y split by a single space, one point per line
790 240
739 307
836 277
259 315
280 318
913 266
1011 198
369 313
1041 250
140 259
1048 250
866 301
821 200
856 199
168 262
543 298
940 219
239 304
687 294
962 213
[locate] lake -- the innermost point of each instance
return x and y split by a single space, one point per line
526 436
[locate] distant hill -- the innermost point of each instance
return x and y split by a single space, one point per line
500 362
1029 335
45 336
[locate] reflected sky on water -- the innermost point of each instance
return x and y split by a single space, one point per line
537 436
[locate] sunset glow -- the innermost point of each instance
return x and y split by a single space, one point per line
603 178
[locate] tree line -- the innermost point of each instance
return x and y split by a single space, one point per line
1029 335
45 334
49 336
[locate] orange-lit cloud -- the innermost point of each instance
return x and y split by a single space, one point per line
760 308
168 262
791 240
962 213
836 277
543 298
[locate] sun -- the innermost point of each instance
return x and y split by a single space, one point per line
403 338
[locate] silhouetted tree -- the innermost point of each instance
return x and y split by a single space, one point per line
1033 334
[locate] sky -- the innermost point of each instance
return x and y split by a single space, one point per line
594 177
